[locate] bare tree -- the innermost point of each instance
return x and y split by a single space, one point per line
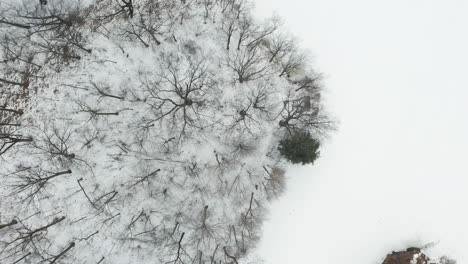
230 256
262 32
11 82
179 95
53 259
127 6
14 24
54 20
245 117
278 46
20 61
8 141
32 181
292 63
204 230
104 92
301 113
240 7
225 5
259 105
183 10
208 6
229 26
150 25
4 108
55 143
27 239
248 64
246 30
12 223
309 83
262 100
179 251
48 35
56 52
94 111
10 123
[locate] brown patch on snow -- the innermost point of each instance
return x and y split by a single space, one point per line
409 256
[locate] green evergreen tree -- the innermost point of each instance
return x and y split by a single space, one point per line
300 148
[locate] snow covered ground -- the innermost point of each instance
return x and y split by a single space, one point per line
150 131
395 173
108 96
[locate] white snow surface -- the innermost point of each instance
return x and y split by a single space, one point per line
393 176
395 173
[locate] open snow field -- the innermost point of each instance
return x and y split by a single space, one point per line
395 173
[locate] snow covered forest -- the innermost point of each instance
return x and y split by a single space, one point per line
146 131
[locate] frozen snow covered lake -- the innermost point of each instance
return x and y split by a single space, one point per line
395 174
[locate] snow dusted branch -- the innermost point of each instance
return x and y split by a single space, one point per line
61 254
22 258
94 111
21 84
18 112
8 141
103 93
13 222
230 256
179 248
27 238
86 195
33 181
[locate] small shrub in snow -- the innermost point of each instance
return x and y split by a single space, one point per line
276 181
